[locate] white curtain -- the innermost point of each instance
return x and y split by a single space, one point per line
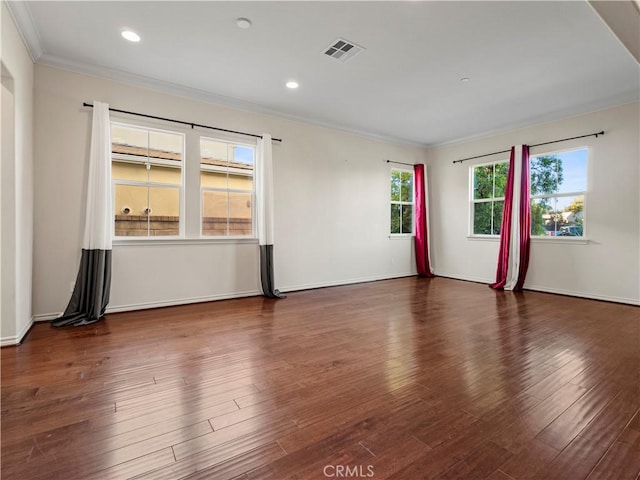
93 283
514 241
98 226
264 192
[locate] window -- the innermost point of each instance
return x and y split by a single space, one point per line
227 188
147 176
401 202
558 187
488 186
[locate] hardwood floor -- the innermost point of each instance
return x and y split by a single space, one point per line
400 379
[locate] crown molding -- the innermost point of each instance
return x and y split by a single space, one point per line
21 15
204 96
586 109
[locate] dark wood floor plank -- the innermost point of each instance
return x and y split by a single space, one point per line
530 461
573 420
620 462
479 464
576 461
228 461
515 436
412 377
610 423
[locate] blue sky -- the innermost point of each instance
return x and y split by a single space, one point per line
574 167
243 154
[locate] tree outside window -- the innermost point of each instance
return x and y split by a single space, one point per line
401 202
558 183
558 188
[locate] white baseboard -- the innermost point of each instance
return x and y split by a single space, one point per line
590 296
337 283
543 289
165 303
180 301
45 317
463 277
15 340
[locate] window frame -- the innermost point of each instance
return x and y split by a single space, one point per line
133 159
569 239
473 201
202 189
401 203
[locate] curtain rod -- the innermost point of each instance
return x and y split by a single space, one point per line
401 163
531 146
192 125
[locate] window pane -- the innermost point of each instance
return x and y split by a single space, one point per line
144 143
227 167
129 171
165 145
168 175
164 217
395 218
574 171
546 172
215 211
500 177
483 182
406 188
497 217
240 213
214 151
571 211
482 218
212 177
130 216
241 168
129 140
142 211
543 217
395 186
407 218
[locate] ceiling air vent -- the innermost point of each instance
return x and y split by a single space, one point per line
342 50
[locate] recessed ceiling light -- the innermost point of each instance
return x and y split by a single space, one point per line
243 23
464 79
130 35
292 84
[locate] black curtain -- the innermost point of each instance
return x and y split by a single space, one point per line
91 292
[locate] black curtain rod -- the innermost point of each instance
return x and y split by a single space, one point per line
401 163
531 146
192 125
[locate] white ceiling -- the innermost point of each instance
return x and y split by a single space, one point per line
527 62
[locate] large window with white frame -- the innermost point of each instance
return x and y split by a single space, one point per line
488 182
227 190
558 185
402 195
558 189
148 181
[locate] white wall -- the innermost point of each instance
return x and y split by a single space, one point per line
608 266
331 204
16 184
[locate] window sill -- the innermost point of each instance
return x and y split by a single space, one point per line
565 240
401 236
484 238
182 241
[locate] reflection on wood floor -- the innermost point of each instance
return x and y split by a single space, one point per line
401 379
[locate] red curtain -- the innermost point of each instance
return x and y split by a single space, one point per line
505 229
525 220
421 234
